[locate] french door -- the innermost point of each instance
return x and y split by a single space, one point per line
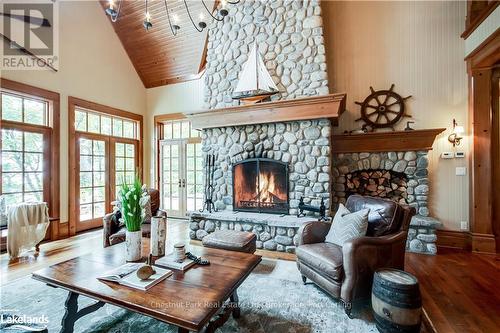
181 176
104 163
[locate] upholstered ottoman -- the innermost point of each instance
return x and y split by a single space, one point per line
232 240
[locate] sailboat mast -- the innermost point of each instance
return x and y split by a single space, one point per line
256 64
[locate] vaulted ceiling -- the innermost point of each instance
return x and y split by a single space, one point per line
159 57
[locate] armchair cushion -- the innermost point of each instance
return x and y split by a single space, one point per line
325 258
347 225
385 215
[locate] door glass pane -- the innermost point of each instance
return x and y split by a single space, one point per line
22 163
92 179
170 161
125 165
33 142
194 176
12 140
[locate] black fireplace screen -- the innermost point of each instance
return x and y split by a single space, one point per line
260 185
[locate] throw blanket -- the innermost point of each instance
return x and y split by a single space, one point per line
27 224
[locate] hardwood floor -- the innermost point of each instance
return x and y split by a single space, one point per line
459 289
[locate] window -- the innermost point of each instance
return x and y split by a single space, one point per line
179 129
93 122
29 151
105 151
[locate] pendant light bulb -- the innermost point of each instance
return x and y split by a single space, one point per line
111 10
147 22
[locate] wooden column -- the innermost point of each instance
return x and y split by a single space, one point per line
481 115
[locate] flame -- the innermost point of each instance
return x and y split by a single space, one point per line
267 187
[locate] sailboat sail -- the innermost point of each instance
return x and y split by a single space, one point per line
265 82
255 75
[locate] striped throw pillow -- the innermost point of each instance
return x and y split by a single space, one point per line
347 225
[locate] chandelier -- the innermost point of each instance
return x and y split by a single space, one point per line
113 11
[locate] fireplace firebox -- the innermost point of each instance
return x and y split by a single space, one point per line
260 185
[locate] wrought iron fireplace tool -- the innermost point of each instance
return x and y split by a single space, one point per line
209 187
310 208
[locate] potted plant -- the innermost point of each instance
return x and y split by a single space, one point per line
131 198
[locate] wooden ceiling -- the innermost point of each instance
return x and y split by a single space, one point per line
159 57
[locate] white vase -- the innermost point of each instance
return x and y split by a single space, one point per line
133 244
158 236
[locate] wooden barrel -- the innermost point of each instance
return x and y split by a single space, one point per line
396 301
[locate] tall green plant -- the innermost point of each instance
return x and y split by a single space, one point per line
131 208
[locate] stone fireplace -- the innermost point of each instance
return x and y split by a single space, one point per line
400 175
260 185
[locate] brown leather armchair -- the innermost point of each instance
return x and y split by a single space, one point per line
347 272
114 233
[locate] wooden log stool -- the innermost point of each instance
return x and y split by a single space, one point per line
240 241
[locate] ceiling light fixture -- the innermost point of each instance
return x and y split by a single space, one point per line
113 11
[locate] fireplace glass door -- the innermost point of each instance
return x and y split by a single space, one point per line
260 185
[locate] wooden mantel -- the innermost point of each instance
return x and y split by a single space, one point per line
317 107
385 141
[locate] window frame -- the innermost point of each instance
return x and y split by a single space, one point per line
74 104
51 148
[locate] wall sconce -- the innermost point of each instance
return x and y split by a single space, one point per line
456 136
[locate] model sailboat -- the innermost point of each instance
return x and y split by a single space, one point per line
255 84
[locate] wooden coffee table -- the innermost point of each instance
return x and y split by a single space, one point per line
201 298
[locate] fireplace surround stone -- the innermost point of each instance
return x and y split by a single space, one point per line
413 165
303 145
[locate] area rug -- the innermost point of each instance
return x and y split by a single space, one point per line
272 300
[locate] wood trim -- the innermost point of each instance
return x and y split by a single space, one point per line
317 107
454 239
476 21
177 79
73 102
55 141
483 120
167 117
486 54
483 243
385 141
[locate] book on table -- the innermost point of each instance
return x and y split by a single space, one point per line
127 275
169 261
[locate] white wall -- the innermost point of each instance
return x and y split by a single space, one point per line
93 66
175 98
416 46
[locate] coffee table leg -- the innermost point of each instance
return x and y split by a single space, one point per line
72 314
236 307
182 330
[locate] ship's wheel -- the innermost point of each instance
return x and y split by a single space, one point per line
382 108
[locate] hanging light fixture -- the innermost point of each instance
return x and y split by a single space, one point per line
147 19
113 11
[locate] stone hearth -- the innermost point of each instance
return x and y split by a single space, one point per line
274 232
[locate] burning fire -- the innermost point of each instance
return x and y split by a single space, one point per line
267 187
